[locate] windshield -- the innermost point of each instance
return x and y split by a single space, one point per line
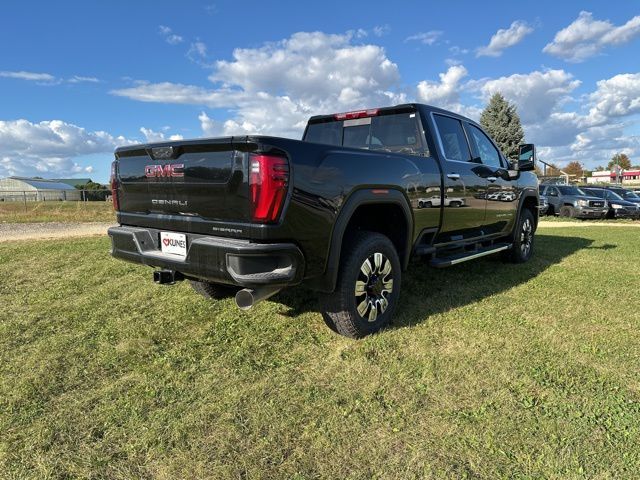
626 194
611 195
569 190
601 193
594 193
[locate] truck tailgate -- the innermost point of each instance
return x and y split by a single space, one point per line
203 179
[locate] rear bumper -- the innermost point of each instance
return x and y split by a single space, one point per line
217 259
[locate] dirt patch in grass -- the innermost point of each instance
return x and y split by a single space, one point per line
39 231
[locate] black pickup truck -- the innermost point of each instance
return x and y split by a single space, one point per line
342 211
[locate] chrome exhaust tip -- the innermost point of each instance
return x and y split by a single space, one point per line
248 297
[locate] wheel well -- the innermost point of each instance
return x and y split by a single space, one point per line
531 204
387 219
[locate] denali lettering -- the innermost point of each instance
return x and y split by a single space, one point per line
180 203
164 171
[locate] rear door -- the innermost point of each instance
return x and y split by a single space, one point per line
502 201
464 187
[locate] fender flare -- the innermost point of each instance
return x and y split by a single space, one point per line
357 199
529 193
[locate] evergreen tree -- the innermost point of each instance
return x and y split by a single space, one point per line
500 120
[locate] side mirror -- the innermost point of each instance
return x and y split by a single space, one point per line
527 157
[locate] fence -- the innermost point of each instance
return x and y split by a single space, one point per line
55 195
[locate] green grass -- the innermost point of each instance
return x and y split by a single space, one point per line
552 218
17 212
491 371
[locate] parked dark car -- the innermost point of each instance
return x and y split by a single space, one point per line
626 194
338 211
617 206
570 201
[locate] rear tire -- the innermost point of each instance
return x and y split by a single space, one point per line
522 248
213 291
368 286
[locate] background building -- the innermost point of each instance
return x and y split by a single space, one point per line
36 189
626 177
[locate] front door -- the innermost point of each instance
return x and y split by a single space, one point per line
502 198
464 198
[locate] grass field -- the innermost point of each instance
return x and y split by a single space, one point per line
17 212
490 371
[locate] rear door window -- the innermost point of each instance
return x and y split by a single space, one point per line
453 139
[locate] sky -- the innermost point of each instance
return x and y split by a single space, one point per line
78 79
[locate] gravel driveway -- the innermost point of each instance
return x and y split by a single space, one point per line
37 231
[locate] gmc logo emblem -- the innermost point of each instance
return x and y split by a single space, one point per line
164 171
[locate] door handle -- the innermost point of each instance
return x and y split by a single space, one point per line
492 179
453 176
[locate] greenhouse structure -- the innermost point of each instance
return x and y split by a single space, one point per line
21 189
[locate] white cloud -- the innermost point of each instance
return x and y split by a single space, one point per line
381 30
456 50
617 96
47 78
558 129
505 38
168 35
274 88
446 92
30 76
197 53
153 136
586 37
28 148
427 38
536 94
81 79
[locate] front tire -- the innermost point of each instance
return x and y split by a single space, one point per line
567 212
522 248
368 286
213 291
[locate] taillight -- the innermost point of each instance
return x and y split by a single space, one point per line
114 186
268 181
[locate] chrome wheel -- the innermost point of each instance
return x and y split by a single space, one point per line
526 237
374 286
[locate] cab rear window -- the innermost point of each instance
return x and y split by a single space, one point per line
395 132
